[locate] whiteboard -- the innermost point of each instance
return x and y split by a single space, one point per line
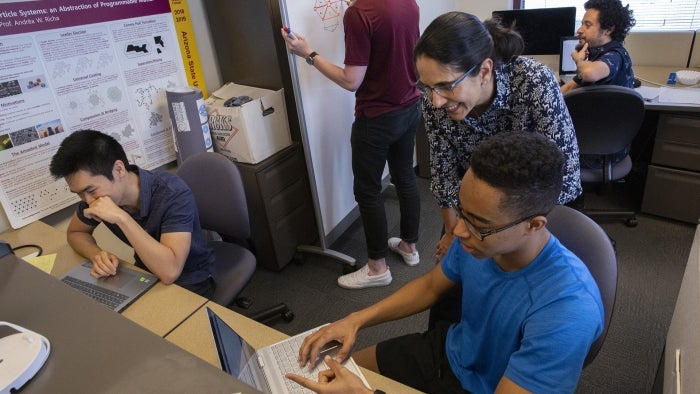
326 110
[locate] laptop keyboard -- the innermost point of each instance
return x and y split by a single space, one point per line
286 353
110 298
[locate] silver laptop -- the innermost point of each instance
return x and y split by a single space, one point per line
115 292
265 368
567 66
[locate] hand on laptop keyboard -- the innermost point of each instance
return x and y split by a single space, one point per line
337 379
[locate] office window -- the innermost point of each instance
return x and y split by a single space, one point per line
650 14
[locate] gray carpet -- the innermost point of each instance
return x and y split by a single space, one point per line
651 260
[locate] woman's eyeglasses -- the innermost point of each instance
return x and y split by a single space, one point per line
443 89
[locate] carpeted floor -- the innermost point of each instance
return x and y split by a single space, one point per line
651 261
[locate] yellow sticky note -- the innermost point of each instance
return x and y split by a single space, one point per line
44 263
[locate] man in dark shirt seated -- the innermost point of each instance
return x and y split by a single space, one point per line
152 211
601 59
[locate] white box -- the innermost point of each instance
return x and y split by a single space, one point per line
253 131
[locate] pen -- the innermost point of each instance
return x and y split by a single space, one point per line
290 34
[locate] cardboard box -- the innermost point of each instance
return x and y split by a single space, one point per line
253 131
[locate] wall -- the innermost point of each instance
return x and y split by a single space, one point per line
683 332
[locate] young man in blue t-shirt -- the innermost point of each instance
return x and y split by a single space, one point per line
530 307
152 211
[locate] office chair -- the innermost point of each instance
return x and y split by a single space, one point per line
587 240
606 119
218 190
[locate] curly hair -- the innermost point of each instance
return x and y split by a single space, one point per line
612 14
527 167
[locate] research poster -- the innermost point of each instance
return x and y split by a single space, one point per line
67 65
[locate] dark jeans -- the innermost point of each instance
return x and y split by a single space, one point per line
388 137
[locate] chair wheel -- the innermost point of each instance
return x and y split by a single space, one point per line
631 222
288 316
244 302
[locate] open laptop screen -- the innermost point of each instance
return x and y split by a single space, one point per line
233 351
566 63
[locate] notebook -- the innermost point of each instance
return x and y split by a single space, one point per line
567 66
117 291
264 369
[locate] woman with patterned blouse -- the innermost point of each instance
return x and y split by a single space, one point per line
475 84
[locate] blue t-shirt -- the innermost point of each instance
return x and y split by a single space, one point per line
166 206
534 325
619 62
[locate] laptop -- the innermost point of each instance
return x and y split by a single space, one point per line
115 292
265 368
567 66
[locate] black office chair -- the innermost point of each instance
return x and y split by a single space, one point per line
587 240
606 119
218 189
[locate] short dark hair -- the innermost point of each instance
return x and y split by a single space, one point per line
528 167
461 40
87 150
612 14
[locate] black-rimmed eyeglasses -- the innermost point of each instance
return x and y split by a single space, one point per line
480 233
443 89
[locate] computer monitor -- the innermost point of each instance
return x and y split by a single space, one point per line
541 28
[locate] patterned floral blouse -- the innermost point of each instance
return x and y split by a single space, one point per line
528 99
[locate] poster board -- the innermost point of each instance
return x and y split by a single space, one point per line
67 65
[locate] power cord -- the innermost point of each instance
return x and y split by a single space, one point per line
39 249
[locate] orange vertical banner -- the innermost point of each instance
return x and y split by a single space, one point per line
188 44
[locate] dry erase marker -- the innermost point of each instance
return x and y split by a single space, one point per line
289 33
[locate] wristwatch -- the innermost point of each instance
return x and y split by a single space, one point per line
310 58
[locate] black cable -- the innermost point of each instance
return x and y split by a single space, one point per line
29 246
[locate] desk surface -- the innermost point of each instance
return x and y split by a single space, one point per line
165 310
39 233
94 349
655 77
194 335
160 310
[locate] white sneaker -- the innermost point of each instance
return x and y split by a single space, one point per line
410 258
361 279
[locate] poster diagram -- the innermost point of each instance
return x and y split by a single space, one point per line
81 69
330 12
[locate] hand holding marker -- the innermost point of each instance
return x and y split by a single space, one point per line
290 34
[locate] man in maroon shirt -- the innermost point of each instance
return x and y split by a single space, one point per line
379 41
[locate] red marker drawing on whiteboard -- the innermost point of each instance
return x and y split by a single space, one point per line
290 34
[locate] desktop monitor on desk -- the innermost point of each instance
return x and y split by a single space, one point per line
541 28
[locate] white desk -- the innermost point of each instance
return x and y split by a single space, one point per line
657 77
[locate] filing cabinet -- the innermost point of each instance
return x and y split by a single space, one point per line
279 205
672 187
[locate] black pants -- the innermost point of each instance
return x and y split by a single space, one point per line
204 288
